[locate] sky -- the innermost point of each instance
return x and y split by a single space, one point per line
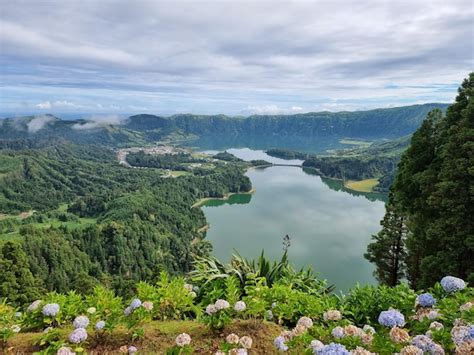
231 57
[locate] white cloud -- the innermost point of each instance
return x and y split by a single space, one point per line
44 105
98 121
38 123
271 110
48 105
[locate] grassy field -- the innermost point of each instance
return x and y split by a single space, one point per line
361 144
366 185
15 235
160 335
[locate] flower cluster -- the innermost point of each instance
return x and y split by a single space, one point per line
182 340
50 309
218 306
426 300
100 325
34 306
332 315
65 350
452 284
78 336
280 343
148 305
391 318
124 349
80 322
136 303
427 345
399 335
240 306
462 333
333 348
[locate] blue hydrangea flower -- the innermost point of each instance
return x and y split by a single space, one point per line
426 300
423 342
78 336
279 343
391 318
452 284
80 322
51 309
127 311
100 325
333 349
135 304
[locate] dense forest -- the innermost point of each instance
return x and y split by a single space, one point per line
96 221
428 229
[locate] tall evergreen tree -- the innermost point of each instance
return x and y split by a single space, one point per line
17 283
387 250
435 195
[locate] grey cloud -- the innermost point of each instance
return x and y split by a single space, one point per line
273 53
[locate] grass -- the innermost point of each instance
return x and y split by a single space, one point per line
178 173
160 335
362 144
202 201
366 185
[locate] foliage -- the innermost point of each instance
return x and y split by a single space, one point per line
387 251
433 194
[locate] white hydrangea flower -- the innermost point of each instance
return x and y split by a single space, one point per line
240 306
222 304
183 339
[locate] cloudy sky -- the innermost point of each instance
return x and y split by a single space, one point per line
233 57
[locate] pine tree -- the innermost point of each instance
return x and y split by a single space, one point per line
434 192
387 250
17 283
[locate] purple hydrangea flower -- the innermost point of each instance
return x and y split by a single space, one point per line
135 304
100 325
422 342
51 309
333 349
426 300
78 336
338 332
452 284
81 322
391 318
279 343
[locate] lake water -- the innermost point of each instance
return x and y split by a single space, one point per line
329 227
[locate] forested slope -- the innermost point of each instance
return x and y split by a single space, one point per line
121 224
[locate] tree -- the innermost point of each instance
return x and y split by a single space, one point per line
17 283
387 250
434 192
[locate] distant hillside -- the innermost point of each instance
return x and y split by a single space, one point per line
379 123
140 129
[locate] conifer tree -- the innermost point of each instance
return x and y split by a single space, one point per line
387 250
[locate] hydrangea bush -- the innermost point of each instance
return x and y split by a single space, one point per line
372 319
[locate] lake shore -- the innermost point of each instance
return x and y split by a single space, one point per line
202 201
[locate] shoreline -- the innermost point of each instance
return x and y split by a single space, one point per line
201 201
